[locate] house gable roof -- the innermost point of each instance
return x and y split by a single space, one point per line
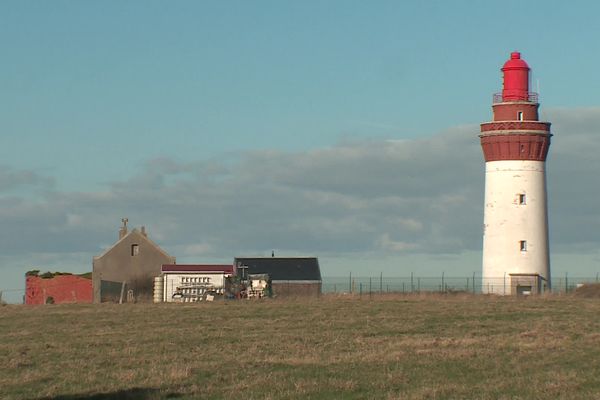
140 237
281 268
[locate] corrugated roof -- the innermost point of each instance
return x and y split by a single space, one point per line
281 268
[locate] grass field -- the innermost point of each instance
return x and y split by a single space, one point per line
390 347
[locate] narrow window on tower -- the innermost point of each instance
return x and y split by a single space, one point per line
523 245
522 199
520 116
135 249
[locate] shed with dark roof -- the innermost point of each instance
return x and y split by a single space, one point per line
290 276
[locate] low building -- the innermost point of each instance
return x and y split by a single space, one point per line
527 284
192 282
126 270
57 288
290 276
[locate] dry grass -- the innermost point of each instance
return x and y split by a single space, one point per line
390 347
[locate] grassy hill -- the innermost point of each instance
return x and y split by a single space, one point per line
390 347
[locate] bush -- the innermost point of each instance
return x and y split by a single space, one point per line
50 275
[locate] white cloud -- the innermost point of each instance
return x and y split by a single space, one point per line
11 178
195 250
386 243
362 197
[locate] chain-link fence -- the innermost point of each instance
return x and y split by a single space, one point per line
414 283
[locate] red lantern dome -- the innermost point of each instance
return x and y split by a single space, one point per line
516 79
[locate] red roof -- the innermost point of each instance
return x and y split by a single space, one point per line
223 268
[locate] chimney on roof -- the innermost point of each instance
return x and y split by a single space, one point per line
123 230
144 231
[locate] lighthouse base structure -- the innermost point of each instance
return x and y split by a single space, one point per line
515 242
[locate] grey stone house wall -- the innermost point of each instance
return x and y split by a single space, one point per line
135 260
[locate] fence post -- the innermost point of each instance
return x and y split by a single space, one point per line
370 287
412 282
442 282
566 282
380 282
418 285
350 283
122 292
473 282
360 289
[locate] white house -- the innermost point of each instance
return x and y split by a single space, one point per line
190 283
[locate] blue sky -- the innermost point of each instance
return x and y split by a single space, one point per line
101 96
106 85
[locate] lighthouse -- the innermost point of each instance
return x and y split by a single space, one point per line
516 254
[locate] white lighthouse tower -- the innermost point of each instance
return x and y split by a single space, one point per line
515 228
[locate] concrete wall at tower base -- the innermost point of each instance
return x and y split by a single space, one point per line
515 284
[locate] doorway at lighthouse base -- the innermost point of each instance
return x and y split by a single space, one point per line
527 284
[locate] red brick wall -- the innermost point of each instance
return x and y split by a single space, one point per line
62 288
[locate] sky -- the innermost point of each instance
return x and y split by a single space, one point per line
345 130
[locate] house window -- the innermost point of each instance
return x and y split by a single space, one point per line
135 249
523 245
520 116
522 199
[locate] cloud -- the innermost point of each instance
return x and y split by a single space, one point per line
574 179
194 250
353 197
386 243
11 178
382 197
